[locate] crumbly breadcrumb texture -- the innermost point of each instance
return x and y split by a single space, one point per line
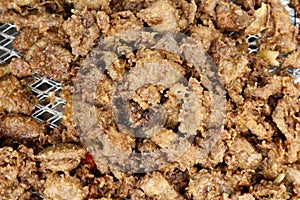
257 155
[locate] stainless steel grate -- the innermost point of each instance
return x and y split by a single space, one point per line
295 73
293 14
252 43
50 106
7 35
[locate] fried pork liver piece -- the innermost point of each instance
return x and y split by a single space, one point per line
47 58
286 117
43 44
20 68
292 60
15 97
61 157
156 186
280 34
252 119
18 173
64 187
269 190
205 35
162 16
43 22
20 127
233 64
25 39
208 7
44 59
231 17
83 31
242 155
90 4
124 21
208 185
16 4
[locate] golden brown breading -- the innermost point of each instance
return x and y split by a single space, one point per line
64 187
83 31
231 17
15 97
255 153
20 128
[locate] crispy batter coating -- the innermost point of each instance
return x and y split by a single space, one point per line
20 127
231 17
83 32
15 97
256 153
62 157
18 173
64 187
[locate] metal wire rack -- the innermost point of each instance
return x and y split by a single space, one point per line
47 111
7 35
293 14
295 73
252 43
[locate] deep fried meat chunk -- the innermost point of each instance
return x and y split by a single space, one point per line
18 173
52 61
72 187
61 157
83 32
26 39
167 20
15 97
242 155
231 17
20 127
208 185
155 185
90 4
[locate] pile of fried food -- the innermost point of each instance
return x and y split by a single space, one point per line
257 155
